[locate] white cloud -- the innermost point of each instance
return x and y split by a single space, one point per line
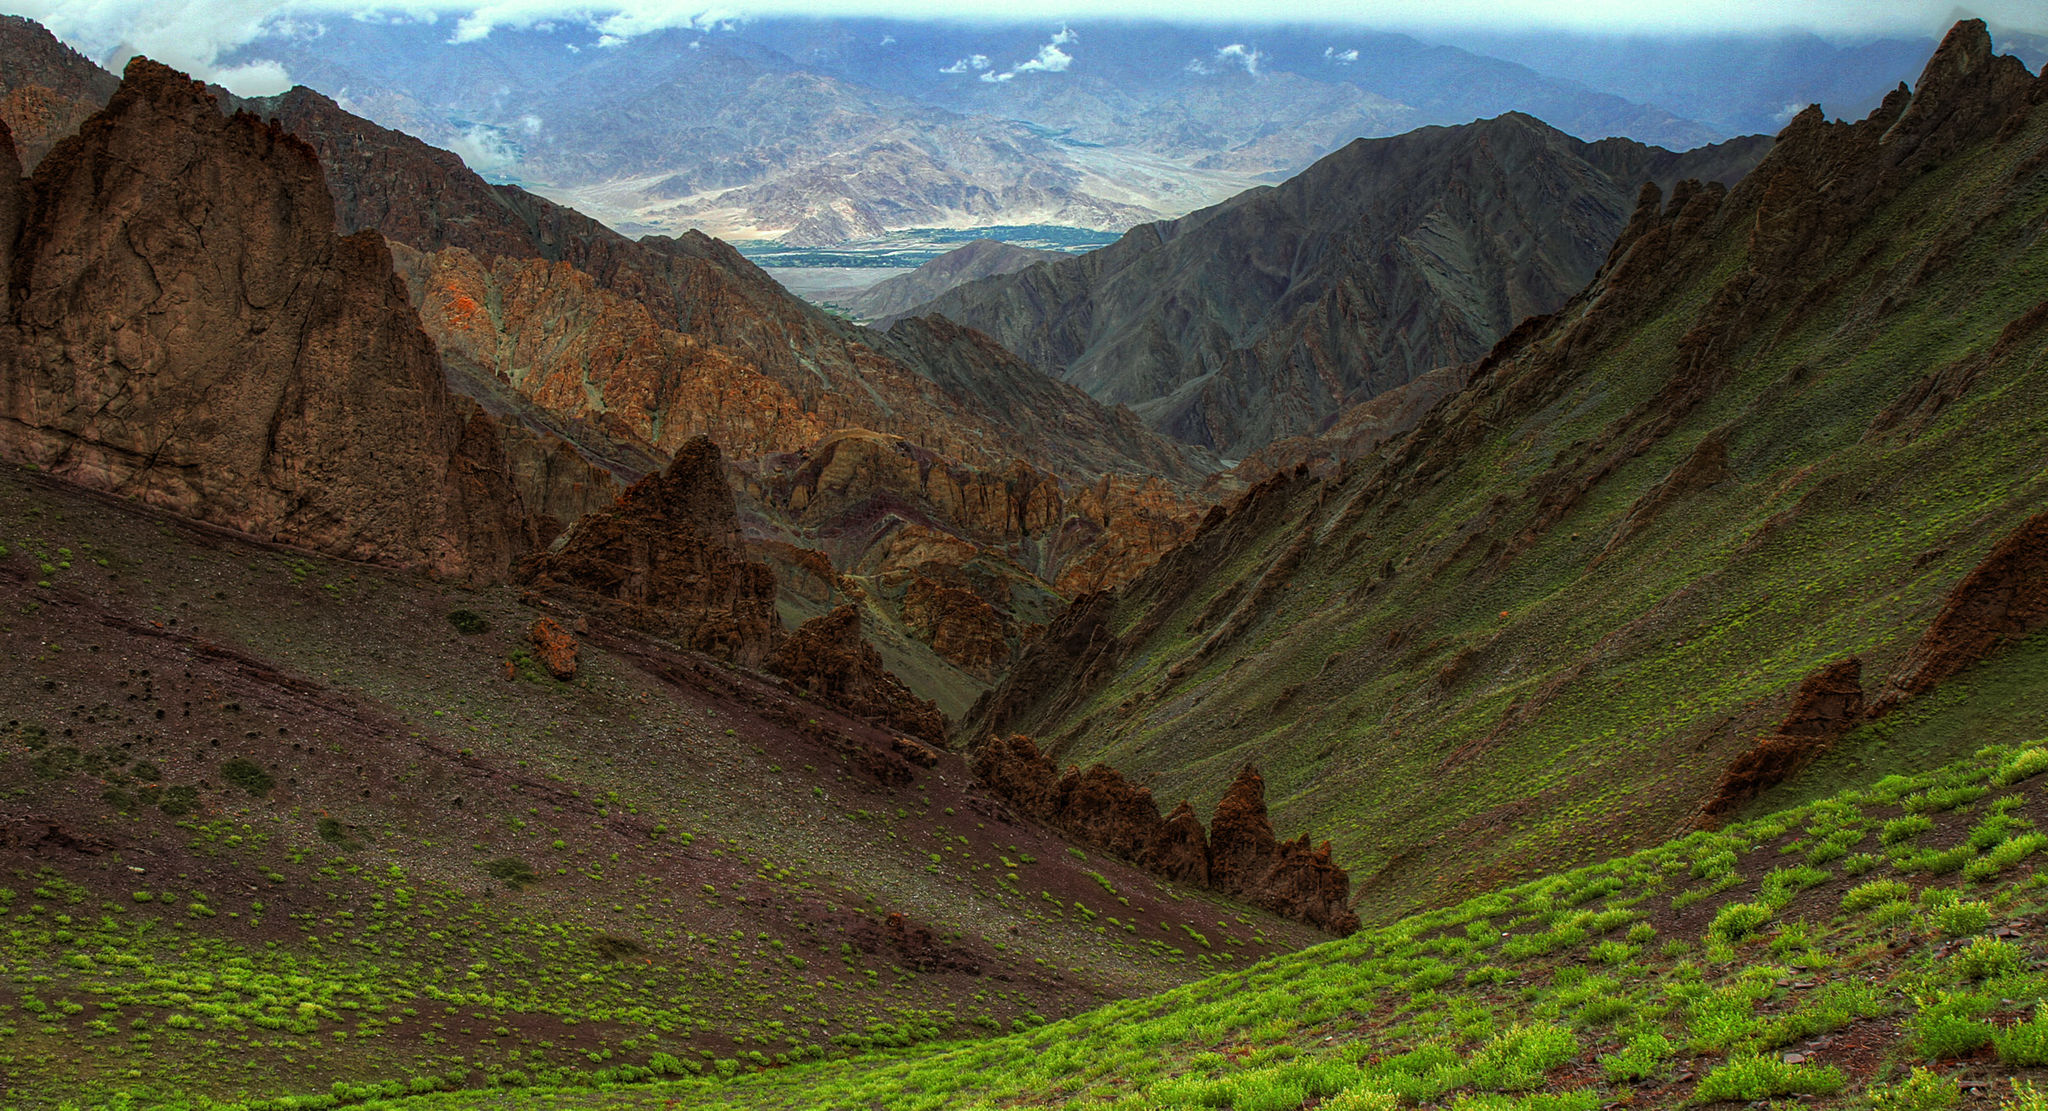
194 34
258 78
1226 57
1339 57
485 150
530 124
1049 59
971 62
887 40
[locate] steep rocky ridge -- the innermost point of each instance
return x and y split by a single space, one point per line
667 558
1261 317
185 326
1772 435
46 88
629 349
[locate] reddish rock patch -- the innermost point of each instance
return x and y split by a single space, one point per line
959 625
1828 704
667 559
1239 856
554 647
827 657
2003 599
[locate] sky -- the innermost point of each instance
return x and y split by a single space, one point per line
194 34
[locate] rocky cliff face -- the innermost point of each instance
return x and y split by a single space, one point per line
667 558
46 88
1238 856
1262 317
187 328
827 658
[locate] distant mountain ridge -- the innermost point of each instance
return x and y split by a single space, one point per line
978 259
1261 317
823 132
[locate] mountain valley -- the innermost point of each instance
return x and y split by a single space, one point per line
1439 612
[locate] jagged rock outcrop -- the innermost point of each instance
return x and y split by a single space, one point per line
827 657
959 626
2002 599
667 558
1827 705
187 328
1238 856
553 647
1264 316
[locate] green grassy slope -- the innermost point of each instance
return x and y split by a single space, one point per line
270 822
1877 947
1497 648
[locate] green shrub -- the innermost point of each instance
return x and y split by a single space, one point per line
1924 1090
1900 830
248 775
1517 1058
1951 1027
1639 1059
1754 1077
1986 957
2024 1044
1874 893
2025 765
2025 1097
1962 919
468 623
1738 920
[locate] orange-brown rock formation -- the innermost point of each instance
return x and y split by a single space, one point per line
187 328
2004 598
827 657
553 647
667 558
959 626
1239 856
1827 705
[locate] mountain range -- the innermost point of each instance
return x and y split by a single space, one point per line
467 657
1264 316
820 132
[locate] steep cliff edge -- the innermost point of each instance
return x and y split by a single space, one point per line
186 327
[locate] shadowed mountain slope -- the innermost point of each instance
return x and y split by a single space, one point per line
979 259
1263 316
1781 428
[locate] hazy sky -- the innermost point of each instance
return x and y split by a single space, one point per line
192 34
